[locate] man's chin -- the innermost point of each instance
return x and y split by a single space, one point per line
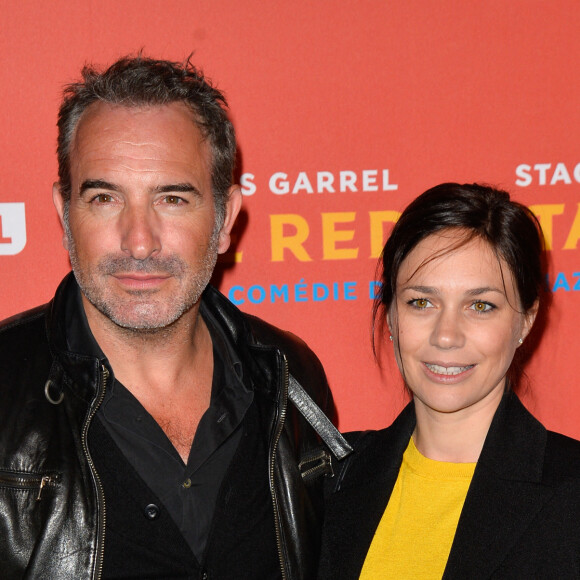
146 330
146 324
145 319
146 313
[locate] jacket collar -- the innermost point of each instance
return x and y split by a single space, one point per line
505 494
74 346
232 322
360 500
259 358
67 331
515 444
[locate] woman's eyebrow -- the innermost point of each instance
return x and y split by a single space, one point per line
436 291
422 289
484 289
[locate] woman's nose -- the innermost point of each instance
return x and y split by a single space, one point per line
448 330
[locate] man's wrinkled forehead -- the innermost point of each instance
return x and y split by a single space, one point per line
140 138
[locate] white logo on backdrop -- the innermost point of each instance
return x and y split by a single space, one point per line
12 228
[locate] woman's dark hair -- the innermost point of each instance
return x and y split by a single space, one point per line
510 229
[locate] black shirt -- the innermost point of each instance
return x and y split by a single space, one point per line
188 492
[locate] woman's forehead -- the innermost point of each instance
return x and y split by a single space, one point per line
453 258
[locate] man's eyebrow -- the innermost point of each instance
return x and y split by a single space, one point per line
97 184
169 188
177 188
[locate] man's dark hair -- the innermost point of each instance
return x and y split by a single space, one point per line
140 81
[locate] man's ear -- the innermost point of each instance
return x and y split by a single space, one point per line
59 204
233 206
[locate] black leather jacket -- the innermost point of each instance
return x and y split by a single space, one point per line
53 510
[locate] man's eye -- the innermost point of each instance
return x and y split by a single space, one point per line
103 198
173 200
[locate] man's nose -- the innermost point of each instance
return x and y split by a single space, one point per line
448 330
140 232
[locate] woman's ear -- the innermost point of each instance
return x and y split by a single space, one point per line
391 321
529 318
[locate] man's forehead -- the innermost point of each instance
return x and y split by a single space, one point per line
102 116
156 138
143 122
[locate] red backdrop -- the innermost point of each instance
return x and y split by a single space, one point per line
345 111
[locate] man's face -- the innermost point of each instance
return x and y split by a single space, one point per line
141 221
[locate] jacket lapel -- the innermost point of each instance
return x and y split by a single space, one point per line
505 493
359 503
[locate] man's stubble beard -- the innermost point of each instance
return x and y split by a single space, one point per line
144 314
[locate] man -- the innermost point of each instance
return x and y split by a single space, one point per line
145 427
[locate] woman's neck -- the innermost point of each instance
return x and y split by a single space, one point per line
456 437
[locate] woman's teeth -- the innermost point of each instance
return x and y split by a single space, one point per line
447 370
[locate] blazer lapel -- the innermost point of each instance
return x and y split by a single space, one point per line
359 504
505 493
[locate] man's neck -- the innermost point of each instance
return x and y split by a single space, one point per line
170 372
159 359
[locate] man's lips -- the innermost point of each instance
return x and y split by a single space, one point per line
141 279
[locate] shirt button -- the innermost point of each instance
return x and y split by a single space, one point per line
187 483
204 576
151 512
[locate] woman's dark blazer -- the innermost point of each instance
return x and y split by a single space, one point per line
521 517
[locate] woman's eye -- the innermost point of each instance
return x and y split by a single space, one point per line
420 303
482 306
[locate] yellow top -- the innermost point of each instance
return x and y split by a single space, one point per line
414 537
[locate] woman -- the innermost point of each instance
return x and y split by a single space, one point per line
465 483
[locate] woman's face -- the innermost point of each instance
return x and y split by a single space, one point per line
456 324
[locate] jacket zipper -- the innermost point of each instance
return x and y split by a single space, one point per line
319 461
29 481
100 493
278 432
